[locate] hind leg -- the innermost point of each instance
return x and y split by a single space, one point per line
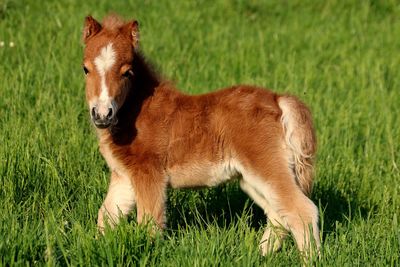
275 231
295 211
303 223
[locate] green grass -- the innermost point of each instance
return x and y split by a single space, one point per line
341 57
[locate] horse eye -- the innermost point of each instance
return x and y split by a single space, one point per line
128 73
85 70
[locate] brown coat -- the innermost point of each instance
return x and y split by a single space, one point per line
152 136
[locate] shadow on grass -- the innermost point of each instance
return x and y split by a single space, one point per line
223 205
338 206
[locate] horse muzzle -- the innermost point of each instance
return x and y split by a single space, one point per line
103 117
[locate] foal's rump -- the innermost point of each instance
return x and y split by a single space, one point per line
267 127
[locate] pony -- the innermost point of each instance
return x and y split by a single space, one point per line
154 137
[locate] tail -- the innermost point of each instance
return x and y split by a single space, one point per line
300 139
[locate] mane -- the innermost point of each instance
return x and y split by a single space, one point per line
146 77
112 22
145 81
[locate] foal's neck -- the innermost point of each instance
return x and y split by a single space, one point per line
143 86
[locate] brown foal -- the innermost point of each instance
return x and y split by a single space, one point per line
153 136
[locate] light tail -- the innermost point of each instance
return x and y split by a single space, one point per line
300 139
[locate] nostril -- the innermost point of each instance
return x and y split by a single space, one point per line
110 113
93 112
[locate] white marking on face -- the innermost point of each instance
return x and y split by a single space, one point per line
104 63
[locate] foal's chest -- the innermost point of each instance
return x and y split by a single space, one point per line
113 163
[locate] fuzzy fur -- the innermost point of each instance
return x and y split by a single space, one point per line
164 138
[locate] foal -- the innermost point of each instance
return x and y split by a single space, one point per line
152 136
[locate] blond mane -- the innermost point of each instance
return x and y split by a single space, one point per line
113 22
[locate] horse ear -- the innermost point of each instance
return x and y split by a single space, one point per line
133 27
91 28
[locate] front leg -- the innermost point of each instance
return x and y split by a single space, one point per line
120 200
150 196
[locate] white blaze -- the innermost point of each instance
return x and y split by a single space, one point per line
104 63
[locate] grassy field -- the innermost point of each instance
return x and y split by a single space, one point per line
341 57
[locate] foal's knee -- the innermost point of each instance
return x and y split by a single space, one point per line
119 201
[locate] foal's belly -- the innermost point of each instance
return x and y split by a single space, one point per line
204 174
